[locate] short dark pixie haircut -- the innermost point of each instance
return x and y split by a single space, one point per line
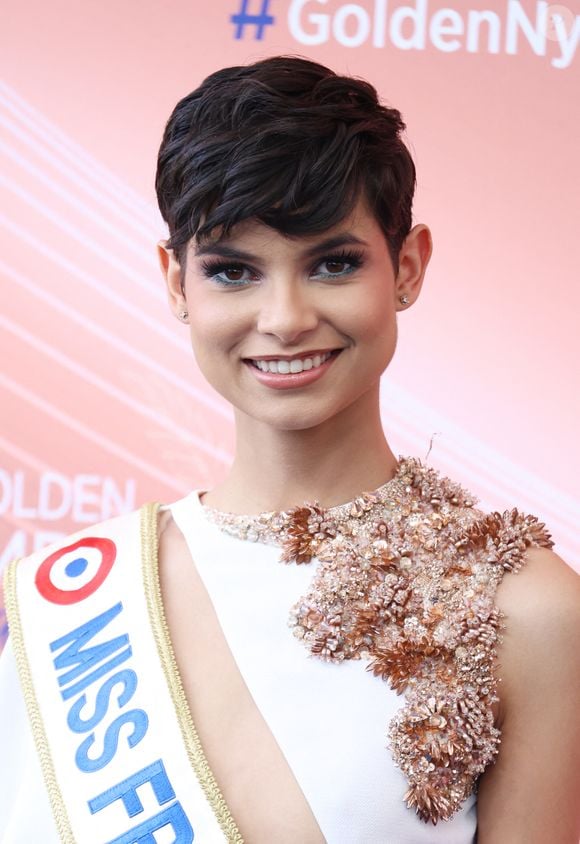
288 142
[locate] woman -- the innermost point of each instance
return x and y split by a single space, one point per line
288 195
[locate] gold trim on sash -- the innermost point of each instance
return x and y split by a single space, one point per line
34 716
200 765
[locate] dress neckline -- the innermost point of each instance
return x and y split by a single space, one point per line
271 526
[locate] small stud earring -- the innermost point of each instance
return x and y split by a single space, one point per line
183 315
404 300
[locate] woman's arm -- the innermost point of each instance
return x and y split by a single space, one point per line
531 795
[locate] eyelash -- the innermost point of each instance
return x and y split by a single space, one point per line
212 268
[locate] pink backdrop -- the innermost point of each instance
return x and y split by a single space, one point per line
102 405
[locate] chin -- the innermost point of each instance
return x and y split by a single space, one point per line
292 411
289 421
299 424
297 418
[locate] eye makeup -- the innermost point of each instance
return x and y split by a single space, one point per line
216 268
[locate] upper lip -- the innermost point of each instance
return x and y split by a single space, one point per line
298 355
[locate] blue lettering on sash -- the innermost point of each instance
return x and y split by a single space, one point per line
78 724
99 672
87 664
126 791
140 723
80 665
143 834
83 658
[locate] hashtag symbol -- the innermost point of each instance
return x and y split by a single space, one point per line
243 17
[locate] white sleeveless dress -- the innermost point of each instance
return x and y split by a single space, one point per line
329 720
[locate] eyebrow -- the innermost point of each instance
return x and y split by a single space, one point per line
225 251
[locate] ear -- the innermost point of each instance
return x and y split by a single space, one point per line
413 259
172 273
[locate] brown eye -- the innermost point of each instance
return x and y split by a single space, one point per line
229 275
233 273
335 266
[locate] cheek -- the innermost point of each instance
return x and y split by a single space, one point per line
374 328
217 334
372 317
215 326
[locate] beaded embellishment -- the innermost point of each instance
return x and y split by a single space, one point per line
406 581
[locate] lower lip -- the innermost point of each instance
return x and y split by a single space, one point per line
293 379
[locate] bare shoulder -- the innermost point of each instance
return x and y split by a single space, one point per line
541 604
531 793
169 535
541 641
544 577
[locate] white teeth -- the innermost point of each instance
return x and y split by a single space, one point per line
283 367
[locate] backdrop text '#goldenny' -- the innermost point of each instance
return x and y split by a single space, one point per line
549 31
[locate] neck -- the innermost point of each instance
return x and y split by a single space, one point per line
331 463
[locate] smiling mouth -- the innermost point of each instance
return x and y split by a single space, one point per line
280 366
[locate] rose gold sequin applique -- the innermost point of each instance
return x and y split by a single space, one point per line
406 581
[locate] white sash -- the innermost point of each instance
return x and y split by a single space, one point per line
119 752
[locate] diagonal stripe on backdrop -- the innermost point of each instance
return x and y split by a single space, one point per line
51 137
97 439
76 233
141 250
110 390
127 350
94 283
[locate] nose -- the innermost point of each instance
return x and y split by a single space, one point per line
287 311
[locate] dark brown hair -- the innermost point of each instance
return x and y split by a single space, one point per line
286 141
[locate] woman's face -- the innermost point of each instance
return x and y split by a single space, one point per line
317 312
